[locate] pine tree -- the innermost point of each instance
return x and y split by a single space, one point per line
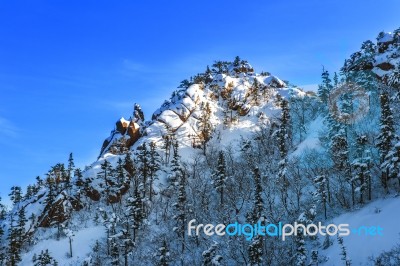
44 259
314 258
210 258
219 177
361 166
138 114
70 169
255 249
2 247
120 173
340 155
392 162
114 253
325 88
301 251
163 255
204 125
16 237
255 88
129 166
176 169
106 175
180 209
135 210
51 190
386 136
321 193
96 251
283 136
343 251
168 141
335 80
16 194
127 241
143 167
79 178
154 166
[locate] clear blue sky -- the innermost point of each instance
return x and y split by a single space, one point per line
70 69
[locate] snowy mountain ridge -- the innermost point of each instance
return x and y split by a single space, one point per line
229 145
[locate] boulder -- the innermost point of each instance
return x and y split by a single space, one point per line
122 125
134 134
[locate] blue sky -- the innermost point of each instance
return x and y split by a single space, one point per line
70 69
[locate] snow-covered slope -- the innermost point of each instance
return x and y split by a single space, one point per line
361 247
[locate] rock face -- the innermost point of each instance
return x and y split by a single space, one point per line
93 194
114 198
133 133
122 125
385 66
60 210
125 134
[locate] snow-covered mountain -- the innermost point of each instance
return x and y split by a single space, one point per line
230 145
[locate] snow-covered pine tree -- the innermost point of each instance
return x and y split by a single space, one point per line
343 251
339 151
314 257
254 91
154 166
16 237
321 194
392 162
283 139
210 258
114 250
138 114
15 194
299 240
204 125
255 248
219 176
135 211
2 247
142 163
325 88
168 141
163 256
51 190
180 209
386 135
78 178
120 173
44 259
176 169
70 170
105 174
361 166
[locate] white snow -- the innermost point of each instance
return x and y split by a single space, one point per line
360 247
387 37
312 139
81 246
